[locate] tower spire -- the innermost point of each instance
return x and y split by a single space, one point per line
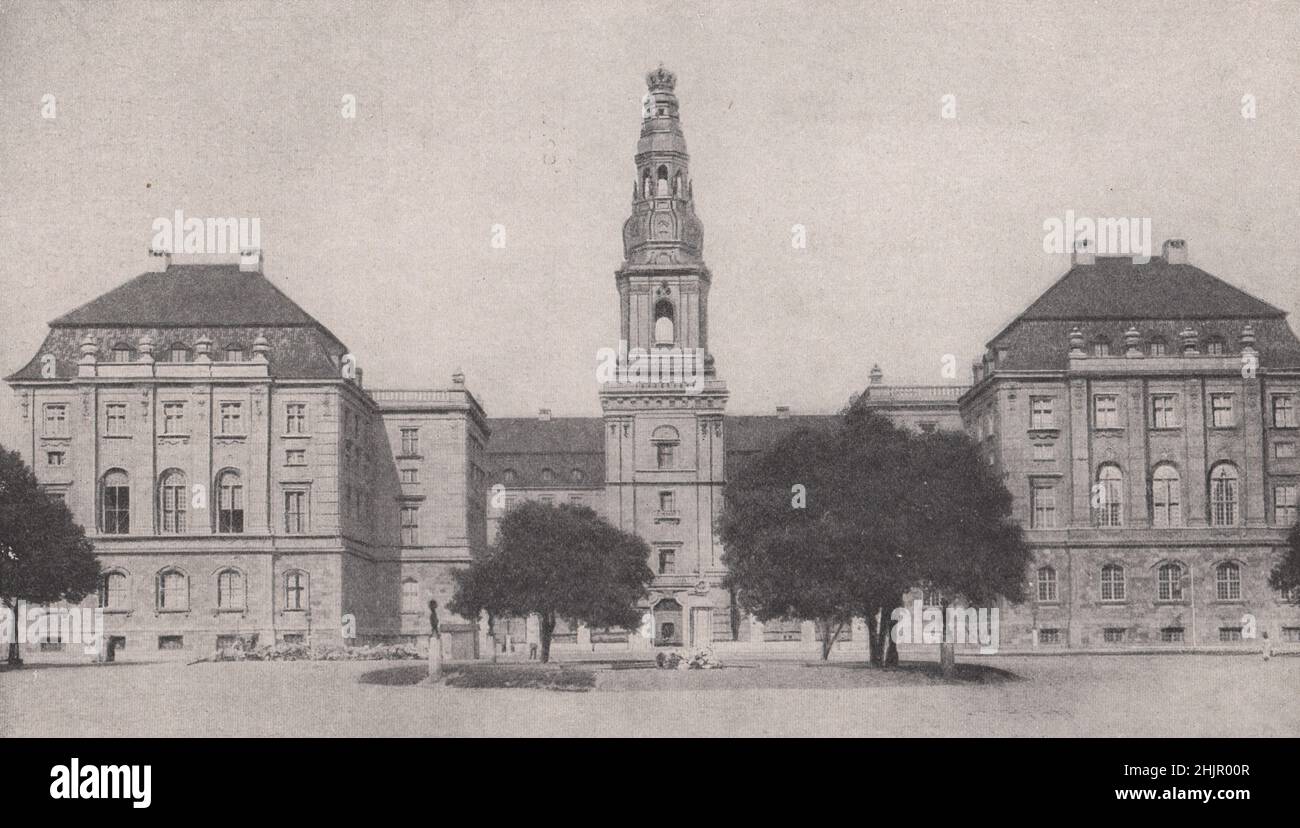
663 227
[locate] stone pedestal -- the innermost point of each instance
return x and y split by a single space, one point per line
435 657
947 658
584 637
808 635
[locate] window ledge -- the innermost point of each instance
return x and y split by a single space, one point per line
117 436
116 611
171 611
294 436
230 436
230 611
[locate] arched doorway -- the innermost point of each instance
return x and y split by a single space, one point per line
668 623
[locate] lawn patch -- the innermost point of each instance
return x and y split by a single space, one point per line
553 677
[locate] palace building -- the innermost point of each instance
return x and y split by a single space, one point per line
240 481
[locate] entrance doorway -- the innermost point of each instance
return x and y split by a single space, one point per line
668 623
701 627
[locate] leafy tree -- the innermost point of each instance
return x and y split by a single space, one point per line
887 511
559 562
44 555
787 550
1285 576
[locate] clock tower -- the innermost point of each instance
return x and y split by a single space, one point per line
664 459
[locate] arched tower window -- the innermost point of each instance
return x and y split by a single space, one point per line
677 185
645 183
661 186
665 439
665 322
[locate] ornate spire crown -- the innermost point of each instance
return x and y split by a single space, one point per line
661 80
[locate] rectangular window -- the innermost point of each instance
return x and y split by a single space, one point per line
666 502
575 499
667 561
1221 411
295 457
56 421
1115 635
1044 451
1171 635
410 442
1284 504
295 511
1105 409
1282 451
664 455
1043 498
410 475
175 497
1163 412
1227 634
115 419
1291 635
1049 636
171 642
117 504
54 458
232 418
1040 413
1284 414
174 418
411 525
1157 349
295 418
230 504
548 499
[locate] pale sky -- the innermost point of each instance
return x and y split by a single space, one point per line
924 234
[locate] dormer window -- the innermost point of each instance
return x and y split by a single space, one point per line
548 477
123 352
1101 348
234 353
1214 347
1158 348
178 352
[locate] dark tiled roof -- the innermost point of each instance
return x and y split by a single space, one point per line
191 295
1116 288
1158 298
295 352
527 445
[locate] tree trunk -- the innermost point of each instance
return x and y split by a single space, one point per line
873 639
15 656
547 630
891 650
829 638
734 615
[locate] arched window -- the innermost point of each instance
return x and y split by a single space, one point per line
231 592
115 503
123 352
665 440
677 185
578 476
173 590
1047 584
645 183
172 498
1166 496
1171 582
1108 496
1223 495
113 594
230 502
410 595
234 353
548 477
1112 582
1228 582
178 352
661 186
665 323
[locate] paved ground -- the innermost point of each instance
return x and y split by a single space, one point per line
1056 696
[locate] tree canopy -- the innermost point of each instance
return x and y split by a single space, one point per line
44 555
1285 576
839 522
559 562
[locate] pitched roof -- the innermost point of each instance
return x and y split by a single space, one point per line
1117 288
191 295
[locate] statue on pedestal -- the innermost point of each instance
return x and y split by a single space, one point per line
433 619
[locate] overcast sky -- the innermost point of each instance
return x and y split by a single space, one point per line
925 234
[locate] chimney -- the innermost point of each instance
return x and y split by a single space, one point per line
360 378
544 414
1175 251
783 412
159 260
877 376
250 260
1085 252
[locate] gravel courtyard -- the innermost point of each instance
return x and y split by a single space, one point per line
1053 696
